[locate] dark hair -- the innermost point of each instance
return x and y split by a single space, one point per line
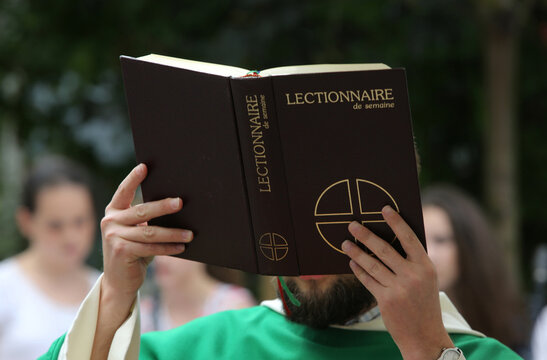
485 292
52 171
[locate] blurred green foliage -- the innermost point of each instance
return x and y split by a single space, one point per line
60 83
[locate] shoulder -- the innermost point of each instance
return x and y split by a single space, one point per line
207 330
9 273
539 345
11 286
224 319
542 319
7 266
478 348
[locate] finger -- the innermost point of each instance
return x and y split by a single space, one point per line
155 234
125 193
148 250
368 281
379 247
372 266
144 212
408 239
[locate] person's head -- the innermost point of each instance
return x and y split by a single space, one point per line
459 239
470 262
56 213
327 299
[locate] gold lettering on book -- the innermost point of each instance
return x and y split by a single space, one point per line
257 127
362 98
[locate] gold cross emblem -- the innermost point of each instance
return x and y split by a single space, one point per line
335 208
273 246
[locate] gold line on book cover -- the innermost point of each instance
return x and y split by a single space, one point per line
346 181
367 213
357 181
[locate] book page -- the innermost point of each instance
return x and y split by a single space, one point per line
204 67
323 68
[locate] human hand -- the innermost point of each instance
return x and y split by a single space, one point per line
129 243
405 289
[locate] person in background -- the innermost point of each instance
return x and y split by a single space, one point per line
538 300
539 337
186 292
471 268
42 287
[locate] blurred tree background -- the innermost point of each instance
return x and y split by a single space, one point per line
476 70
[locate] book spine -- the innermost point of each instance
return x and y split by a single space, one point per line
263 164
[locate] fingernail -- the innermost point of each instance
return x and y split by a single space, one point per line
140 169
187 235
175 203
354 225
388 210
346 245
180 247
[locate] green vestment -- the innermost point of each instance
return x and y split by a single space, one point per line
261 333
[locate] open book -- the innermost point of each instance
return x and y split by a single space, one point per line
274 165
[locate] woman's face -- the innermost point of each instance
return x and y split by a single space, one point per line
62 226
441 246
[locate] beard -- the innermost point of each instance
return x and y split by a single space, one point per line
342 301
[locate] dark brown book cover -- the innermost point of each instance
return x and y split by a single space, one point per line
272 169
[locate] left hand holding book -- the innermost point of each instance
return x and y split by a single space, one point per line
405 288
129 245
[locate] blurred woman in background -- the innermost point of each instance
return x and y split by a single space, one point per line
539 337
42 287
471 267
186 291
